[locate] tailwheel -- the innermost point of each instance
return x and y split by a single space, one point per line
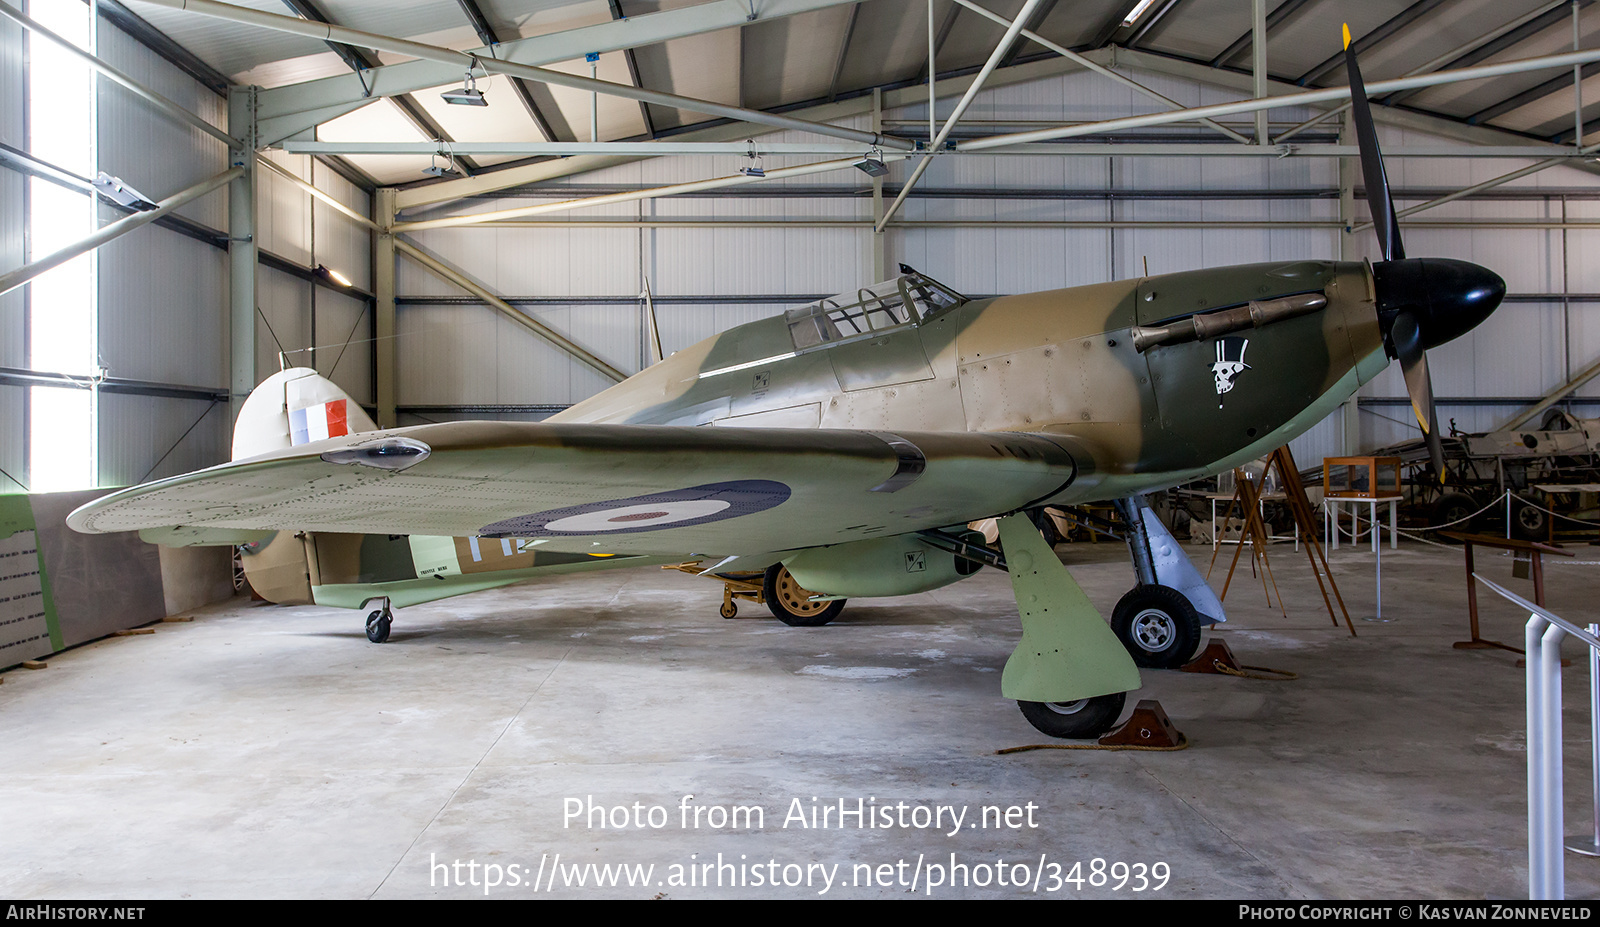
792 605
1084 718
1158 626
378 623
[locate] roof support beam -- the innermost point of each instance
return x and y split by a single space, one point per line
1372 39
331 33
1098 69
1455 54
487 35
359 61
1531 95
1282 12
844 49
629 196
1114 23
1151 21
1142 149
1307 98
1033 23
1013 31
910 93
1527 26
633 72
291 109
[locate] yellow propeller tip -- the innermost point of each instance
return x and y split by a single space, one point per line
1346 35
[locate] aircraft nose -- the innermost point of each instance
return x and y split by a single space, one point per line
1447 298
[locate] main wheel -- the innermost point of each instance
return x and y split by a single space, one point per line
1158 626
792 604
378 626
1087 717
1453 507
1529 523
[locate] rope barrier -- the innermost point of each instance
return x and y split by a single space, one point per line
1182 745
1260 672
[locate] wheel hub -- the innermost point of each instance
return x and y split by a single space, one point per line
1067 708
796 599
1154 629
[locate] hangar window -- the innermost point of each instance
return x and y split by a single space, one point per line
61 302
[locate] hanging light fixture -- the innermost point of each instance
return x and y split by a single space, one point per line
872 164
469 94
753 169
435 169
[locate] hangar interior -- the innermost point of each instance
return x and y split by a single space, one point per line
301 201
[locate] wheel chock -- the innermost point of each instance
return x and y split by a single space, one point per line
34 664
1148 726
1216 658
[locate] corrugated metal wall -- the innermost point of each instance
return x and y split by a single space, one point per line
13 220
450 354
162 296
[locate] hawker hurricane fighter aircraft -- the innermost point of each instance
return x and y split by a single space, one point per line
855 440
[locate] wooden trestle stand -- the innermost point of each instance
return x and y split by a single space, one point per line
1248 496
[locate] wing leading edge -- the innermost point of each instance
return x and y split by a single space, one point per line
624 488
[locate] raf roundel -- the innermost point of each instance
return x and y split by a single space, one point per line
681 508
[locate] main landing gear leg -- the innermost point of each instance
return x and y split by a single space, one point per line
1159 619
1069 673
378 622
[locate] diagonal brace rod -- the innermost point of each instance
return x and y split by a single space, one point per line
1100 69
1012 31
449 274
106 233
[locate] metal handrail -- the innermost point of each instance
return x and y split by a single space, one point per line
1542 638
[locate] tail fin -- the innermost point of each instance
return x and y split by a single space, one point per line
292 407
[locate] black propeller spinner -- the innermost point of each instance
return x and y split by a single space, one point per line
1422 303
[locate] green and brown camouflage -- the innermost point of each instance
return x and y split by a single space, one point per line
1063 363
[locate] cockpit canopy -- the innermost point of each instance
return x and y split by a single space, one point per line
906 300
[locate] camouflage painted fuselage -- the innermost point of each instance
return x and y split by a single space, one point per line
1061 363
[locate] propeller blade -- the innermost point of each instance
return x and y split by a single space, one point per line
1407 338
1373 177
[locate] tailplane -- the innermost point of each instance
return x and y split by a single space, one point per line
294 407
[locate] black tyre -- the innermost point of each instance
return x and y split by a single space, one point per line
1530 523
378 627
1087 717
792 604
1158 626
1451 508
728 610
1047 528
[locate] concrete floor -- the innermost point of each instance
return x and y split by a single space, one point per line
266 751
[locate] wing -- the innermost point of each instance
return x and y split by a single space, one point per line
641 489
